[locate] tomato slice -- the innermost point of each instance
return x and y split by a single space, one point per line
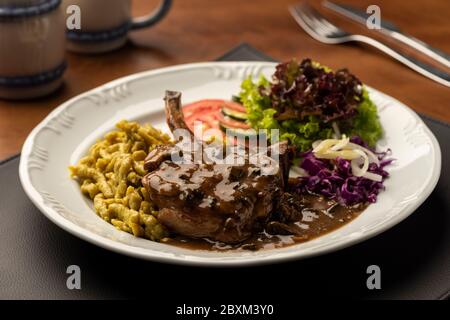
212 104
235 106
201 106
208 111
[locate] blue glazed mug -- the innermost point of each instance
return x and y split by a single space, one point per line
105 24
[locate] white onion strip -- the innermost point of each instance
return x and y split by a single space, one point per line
337 132
343 148
372 157
341 144
373 176
355 164
316 143
325 145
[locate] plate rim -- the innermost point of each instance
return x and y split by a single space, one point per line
193 260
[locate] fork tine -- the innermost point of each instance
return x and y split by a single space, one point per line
321 22
314 23
317 16
303 20
329 24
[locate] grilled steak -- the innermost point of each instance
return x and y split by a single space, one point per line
207 198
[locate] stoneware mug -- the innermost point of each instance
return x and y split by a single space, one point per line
32 48
104 24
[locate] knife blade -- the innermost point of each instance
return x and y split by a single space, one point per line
390 29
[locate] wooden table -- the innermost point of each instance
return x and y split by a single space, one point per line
202 30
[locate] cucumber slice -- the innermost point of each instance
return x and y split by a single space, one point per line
238 132
240 116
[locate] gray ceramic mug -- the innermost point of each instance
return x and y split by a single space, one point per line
105 24
32 48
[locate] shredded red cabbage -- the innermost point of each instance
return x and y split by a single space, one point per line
334 179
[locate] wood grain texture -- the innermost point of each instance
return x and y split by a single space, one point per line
202 30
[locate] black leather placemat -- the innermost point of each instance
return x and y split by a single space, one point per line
414 256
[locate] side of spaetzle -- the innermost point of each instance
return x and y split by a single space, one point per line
110 174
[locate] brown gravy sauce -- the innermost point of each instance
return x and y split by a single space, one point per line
318 218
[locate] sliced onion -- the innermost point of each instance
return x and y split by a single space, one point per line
355 164
324 145
341 144
343 148
373 176
359 156
344 154
337 132
316 143
372 157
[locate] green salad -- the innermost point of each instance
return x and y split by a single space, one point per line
309 102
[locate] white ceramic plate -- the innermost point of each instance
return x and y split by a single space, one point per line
64 136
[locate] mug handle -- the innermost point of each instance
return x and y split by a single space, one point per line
152 18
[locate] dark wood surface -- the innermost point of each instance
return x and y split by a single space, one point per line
202 30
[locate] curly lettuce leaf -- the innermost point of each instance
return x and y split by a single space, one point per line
261 116
366 123
303 133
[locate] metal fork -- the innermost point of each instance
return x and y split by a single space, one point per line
324 31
